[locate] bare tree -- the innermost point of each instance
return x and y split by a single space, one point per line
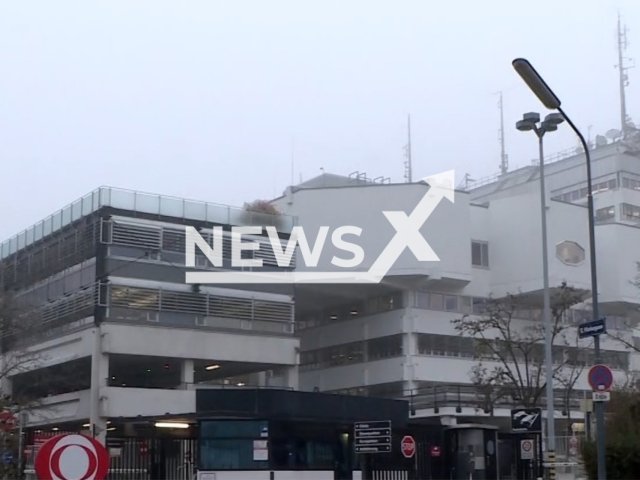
262 212
262 206
17 324
625 337
510 351
568 375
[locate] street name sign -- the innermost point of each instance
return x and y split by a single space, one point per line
593 328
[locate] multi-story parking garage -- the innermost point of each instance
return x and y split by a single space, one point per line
114 333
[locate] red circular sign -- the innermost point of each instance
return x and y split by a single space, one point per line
7 420
72 457
600 378
435 451
408 446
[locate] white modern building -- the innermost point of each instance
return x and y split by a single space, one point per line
397 339
115 333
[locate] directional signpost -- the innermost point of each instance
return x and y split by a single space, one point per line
373 437
593 328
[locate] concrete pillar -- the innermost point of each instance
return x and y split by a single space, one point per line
99 376
187 374
291 374
291 379
262 379
6 382
409 348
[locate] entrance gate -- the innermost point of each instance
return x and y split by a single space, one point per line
134 458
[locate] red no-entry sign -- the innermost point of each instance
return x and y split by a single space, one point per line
72 457
408 446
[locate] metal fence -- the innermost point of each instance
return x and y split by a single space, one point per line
134 458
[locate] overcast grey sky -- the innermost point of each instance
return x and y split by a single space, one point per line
203 99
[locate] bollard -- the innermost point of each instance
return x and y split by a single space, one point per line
551 459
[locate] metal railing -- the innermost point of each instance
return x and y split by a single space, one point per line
155 306
141 202
553 158
198 309
473 396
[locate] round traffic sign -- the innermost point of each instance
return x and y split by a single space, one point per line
72 457
527 445
408 446
7 420
600 378
573 446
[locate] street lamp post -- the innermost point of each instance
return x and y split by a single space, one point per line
549 99
550 124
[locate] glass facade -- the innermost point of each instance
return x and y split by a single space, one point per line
141 203
275 445
229 445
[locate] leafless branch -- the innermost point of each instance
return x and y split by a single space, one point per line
516 347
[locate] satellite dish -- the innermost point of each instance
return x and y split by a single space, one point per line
601 141
613 134
631 125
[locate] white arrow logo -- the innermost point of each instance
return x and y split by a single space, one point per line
407 236
408 227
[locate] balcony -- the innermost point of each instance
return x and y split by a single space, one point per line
473 396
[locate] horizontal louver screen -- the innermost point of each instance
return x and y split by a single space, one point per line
136 236
173 240
200 304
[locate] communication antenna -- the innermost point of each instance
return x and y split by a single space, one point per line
623 77
466 181
504 158
407 153
292 161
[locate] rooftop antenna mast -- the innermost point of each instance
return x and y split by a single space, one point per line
504 158
624 78
292 161
407 153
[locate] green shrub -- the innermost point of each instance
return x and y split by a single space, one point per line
623 439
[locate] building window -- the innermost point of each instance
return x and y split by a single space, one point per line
630 183
630 212
228 445
480 254
580 193
605 214
570 253
385 347
451 303
436 301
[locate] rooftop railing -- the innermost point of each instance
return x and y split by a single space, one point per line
148 203
553 158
